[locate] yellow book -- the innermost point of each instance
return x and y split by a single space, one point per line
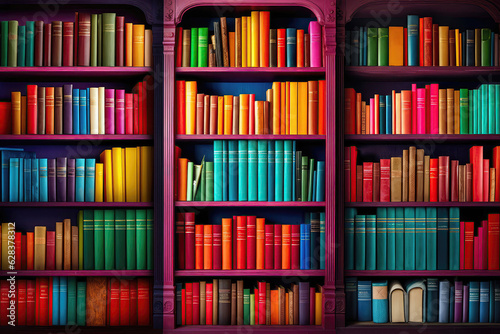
458 41
138 171
255 38
5 246
131 174
191 91
117 162
232 54
228 114
220 115
249 41
244 41
318 309
138 45
443 46
146 173
128 44
39 247
396 41
460 49
302 108
99 182
276 109
108 175
293 108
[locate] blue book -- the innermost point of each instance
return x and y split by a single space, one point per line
382 121
400 240
497 301
55 301
80 180
351 298
63 300
320 188
388 114
454 237
225 173
278 170
432 309
288 171
217 170
315 186
242 170
305 246
413 40
291 47
76 111
322 240
381 238
89 180
360 242
44 186
380 302
252 170
294 169
35 181
420 239
371 241
271 157
233 170
442 239
361 46
484 301
444 301
491 315
391 238
452 304
350 214
87 110
409 231
431 237
27 180
83 111
364 301
14 180
474 302
262 170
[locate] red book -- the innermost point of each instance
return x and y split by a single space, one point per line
486 180
295 247
4 302
143 301
312 304
256 294
414 107
435 44
367 181
189 303
6 117
24 252
454 181
385 180
217 246
17 243
281 33
251 111
468 182
120 38
199 264
405 46
183 300
179 232
433 180
83 39
269 248
421 40
427 41
124 302
47 39
444 179
496 165
178 48
241 242
376 182
68 43
30 303
353 157
37 301
350 111
209 303
129 113
196 303
251 242
469 245
462 245
286 239
477 249
114 302
493 241
29 250
347 174
277 246
476 159
190 240
21 303
51 294
38 61
50 261
132 286
31 109
262 303
149 86
43 301
207 246
359 183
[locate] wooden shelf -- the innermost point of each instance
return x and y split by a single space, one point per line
249 137
248 204
74 73
422 204
248 273
49 139
79 273
419 139
423 273
77 204
250 74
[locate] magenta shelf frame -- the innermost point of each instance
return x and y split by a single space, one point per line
422 273
248 273
74 138
80 273
77 204
249 137
248 204
56 72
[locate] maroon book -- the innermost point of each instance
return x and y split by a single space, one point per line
435 44
179 232
189 231
120 38
454 181
75 40
312 305
251 242
359 183
347 174
367 182
50 261
83 39
217 246
376 182
57 43
277 246
38 43
385 180
444 179
68 43
47 44
295 247
269 246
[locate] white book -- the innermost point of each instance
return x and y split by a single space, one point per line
94 110
101 105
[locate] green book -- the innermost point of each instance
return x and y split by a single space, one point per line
202 47
383 46
360 242
262 170
420 239
190 171
371 241
71 320
497 109
80 240
471 111
12 44
202 192
492 123
81 294
454 238
350 214
93 40
109 239
21 46
372 54
431 237
99 239
131 243
409 230
252 309
149 239
391 238
310 180
141 239
108 39
246 306
400 234
381 238
304 183
120 237
4 43
99 40
464 111
30 43
194 47
485 47
209 179
88 240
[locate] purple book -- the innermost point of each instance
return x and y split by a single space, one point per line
120 112
51 172
70 195
68 109
458 301
109 111
303 303
61 179
465 308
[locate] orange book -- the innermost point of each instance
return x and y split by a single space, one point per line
128 43
312 108
232 54
182 186
358 113
268 112
275 310
227 231
283 108
244 43
406 112
16 113
287 304
286 235
259 117
207 247
294 105
191 91
460 50
199 245
244 106
367 119
260 246
29 250
276 129
228 114
396 45
138 45
302 108
322 107
49 110
23 115
264 38
220 115
300 48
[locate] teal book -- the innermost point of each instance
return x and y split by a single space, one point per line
232 170
442 239
109 239
202 47
81 293
477 105
246 306
380 307
217 170
464 111
89 180
294 170
27 180
391 238
497 108
320 182
287 170
484 109
209 179
71 319
420 239
63 301
270 170
322 240
88 240
99 239
30 43
190 172
454 238
409 230
252 170
131 241
225 174
278 170
350 214
242 170
400 239
310 180
14 179
21 46
141 239
120 237
44 187
431 237
372 46
80 180
262 170
360 242
21 180
55 301
491 109
194 47
381 238
371 241
150 240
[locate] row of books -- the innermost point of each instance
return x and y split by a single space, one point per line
123 175
91 40
224 302
68 110
71 301
247 242
251 44
429 110
423 300
421 43
416 177
251 170
295 108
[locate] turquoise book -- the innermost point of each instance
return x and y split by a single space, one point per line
400 239
141 239
83 112
131 239
225 173
287 170
262 170
27 180
71 319
431 237
246 306
413 40
232 170
360 242
371 241
150 240
380 302
442 239
381 238
76 111
420 239
322 240
350 214
242 170
80 180
87 110
55 301
454 238
35 180
109 239
63 301
21 46
391 238
476 110
484 109
30 43
497 108
89 180
252 170
278 170
320 180
271 161
21 180
217 170
99 239
81 293
471 111
491 109
409 247
14 180
44 187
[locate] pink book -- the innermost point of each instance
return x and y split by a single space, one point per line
427 108
477 256
120 112
129 114
251 239
434 108
217 247
376 118
484 245
251 114
462 244
393 112
486 180
420 114
50 262
315 37
312 305
372 116
414 108
109 111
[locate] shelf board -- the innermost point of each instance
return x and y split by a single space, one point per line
422 204
217 329
247 273
33 273
249 74
248 204
77 204
249 137
420 139
46 139
71 72
423 273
